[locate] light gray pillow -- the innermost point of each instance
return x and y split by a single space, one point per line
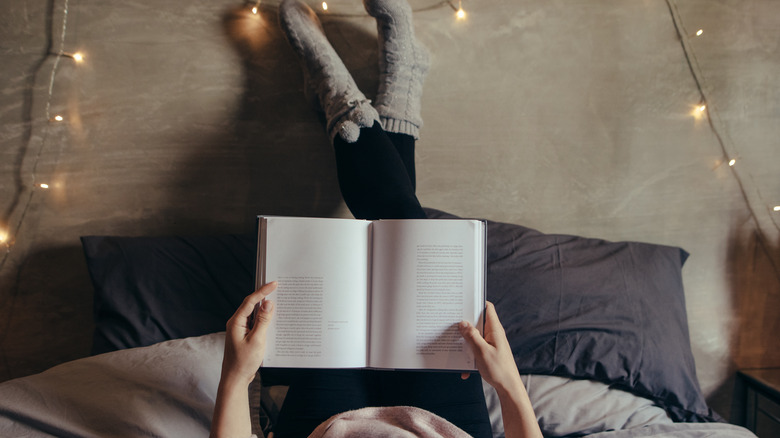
566 406
167 389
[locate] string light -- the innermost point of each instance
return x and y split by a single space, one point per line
78 57
699 111
460 14
3 236
732 162
776 208
44 186
58 118
324 6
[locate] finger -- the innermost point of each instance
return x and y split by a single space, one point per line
263 319
465 375
248 306
492 323
471 335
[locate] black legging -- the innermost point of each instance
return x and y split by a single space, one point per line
377 180
377 175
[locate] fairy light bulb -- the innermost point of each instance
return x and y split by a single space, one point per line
78 57
732 162
58 118
776 208
699 32
324 6
701 108
44 186
254 10
3 236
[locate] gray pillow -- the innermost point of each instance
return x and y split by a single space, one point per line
613 312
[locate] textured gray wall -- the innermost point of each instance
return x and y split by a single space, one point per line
569 116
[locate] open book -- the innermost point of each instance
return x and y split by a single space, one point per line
372 294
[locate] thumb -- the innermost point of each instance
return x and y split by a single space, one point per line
263 317
471 335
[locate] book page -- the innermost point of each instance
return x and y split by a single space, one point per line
320 318
428 275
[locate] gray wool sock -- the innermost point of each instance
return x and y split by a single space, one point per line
327 83
403 64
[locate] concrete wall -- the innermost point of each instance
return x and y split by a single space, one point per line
569 116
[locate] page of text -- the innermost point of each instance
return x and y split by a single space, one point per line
428 276
321 300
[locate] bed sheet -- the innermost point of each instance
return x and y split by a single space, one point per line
680 430
165 390
169 389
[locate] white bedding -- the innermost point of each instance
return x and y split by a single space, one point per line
169 389
166 390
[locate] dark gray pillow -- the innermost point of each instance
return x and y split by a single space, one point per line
153 289
584 308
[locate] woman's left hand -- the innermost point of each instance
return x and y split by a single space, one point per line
245 339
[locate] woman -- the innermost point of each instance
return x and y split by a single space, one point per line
374 147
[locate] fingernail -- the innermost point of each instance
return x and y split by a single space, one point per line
464 325
267 306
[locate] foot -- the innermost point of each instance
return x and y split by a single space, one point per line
403 65
328 86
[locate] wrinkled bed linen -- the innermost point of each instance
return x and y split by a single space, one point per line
169 389
567 407
165 390
405 421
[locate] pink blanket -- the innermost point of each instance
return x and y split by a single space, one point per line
397 421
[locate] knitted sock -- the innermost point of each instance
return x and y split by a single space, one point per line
327 83
403 64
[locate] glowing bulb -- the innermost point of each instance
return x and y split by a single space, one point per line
699 32
44 186
324 6
732 162
461 14
701 108
58 118
777 208
3 236
78 57
254 10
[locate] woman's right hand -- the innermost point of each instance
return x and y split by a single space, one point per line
496 364
492 352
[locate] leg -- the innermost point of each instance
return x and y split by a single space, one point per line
327 84
375 179
461 402
403 65
317 395
404 145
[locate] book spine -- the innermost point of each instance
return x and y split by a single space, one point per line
262 228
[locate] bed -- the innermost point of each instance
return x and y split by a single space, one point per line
598 329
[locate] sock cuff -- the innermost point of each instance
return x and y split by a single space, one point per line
399 126
347 125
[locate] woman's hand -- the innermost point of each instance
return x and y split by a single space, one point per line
493 354
244 350
245 338
496 364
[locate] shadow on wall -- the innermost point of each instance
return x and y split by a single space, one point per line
755 285
272 157
275 158
49 315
